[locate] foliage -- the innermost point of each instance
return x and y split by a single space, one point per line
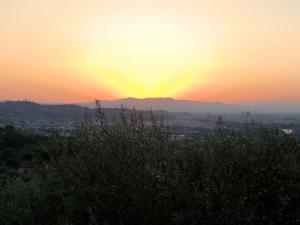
16 146
132 172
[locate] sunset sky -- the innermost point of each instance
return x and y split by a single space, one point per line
206 50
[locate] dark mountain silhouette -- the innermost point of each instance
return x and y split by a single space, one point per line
30 114
168 104
174 105
31 111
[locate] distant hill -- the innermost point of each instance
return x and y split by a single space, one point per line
173 105
167 104
31 114
28 114
31 111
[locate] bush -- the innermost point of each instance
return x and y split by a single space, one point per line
132 172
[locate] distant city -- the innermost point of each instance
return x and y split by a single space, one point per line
46 119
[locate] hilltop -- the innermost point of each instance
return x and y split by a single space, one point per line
189 106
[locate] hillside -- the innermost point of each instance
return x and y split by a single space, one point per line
26 111
175 105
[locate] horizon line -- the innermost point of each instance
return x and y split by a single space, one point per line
51 102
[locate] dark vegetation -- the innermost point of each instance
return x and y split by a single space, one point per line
17 146
127 173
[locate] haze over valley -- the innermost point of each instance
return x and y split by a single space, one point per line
45 118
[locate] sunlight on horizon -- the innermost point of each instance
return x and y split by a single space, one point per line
143 57
215 50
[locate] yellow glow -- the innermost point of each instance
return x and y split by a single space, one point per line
208 50
143 57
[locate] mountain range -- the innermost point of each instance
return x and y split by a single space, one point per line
174 105
31 111
197 114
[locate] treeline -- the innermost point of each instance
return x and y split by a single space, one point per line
16 146
128 172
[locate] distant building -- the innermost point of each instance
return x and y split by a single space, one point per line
178 136
287 131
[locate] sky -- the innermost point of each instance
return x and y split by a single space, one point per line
206 50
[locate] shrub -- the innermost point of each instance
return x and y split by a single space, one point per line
133 172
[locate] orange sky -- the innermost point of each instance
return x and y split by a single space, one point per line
213 50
